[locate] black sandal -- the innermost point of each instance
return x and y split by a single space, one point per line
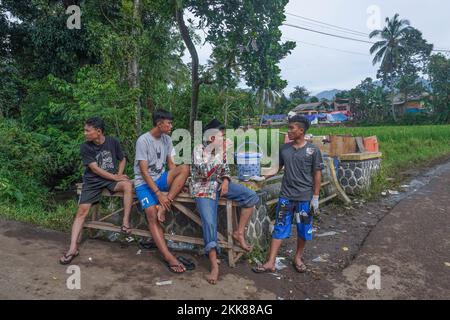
68 258
188 263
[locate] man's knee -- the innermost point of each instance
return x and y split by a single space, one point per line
83 210
127 187
185 169
152 216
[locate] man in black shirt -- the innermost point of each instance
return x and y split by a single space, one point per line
105 163
302 162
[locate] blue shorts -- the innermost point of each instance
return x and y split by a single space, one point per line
287 211
147 197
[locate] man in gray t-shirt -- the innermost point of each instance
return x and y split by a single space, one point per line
302 162
153 153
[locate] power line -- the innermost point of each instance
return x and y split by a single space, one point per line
316 25
330 25
349 31
325 47
327 34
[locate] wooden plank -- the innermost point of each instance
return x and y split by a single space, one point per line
342 145
230 234
144 233
360 144
334 195
95 211
360 156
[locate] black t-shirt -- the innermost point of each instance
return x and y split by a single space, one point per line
299 167
106 155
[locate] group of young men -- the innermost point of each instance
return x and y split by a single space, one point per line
158 181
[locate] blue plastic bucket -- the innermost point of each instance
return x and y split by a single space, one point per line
248 163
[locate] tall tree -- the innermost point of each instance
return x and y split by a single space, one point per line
246 30
389 51
439 73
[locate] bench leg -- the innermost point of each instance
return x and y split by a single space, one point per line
231 261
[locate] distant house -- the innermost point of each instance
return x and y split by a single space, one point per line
311 108
413 104
342 105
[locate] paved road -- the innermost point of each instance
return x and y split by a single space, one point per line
411 245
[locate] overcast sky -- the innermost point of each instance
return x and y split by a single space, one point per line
319 68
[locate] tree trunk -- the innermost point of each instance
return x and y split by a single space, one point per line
393 106
194 58
134 68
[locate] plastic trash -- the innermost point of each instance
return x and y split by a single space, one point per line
114 236
180 245
319 259
447 264
345 248
278 264
90 259
327 234
393 192
139 252
164 283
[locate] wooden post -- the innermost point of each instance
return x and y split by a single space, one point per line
230 233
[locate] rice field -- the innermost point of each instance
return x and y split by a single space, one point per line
402 146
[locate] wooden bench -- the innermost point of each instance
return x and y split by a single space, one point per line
225 241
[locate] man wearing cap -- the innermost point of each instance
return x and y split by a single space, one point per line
302 162
210 180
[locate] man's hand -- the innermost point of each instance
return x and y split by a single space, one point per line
315 202
164 200
224 189
121 177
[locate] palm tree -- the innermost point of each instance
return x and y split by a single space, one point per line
266 98
389 49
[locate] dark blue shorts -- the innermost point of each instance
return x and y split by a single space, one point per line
287 211
147 197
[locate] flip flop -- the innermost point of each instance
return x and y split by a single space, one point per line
68 258
173 270
126 230
188 263
300 268
261 269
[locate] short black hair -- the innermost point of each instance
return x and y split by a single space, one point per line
161 114
302 120
96 122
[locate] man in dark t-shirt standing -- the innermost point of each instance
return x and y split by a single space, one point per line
302 162
105 163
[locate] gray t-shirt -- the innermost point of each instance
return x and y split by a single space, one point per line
155 151
299 167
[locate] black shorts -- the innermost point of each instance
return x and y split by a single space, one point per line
91 193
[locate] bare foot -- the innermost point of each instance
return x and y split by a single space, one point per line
125 228
239 237
214 275
267 267
175 265
161 214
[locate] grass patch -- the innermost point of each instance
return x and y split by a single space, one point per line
58 218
